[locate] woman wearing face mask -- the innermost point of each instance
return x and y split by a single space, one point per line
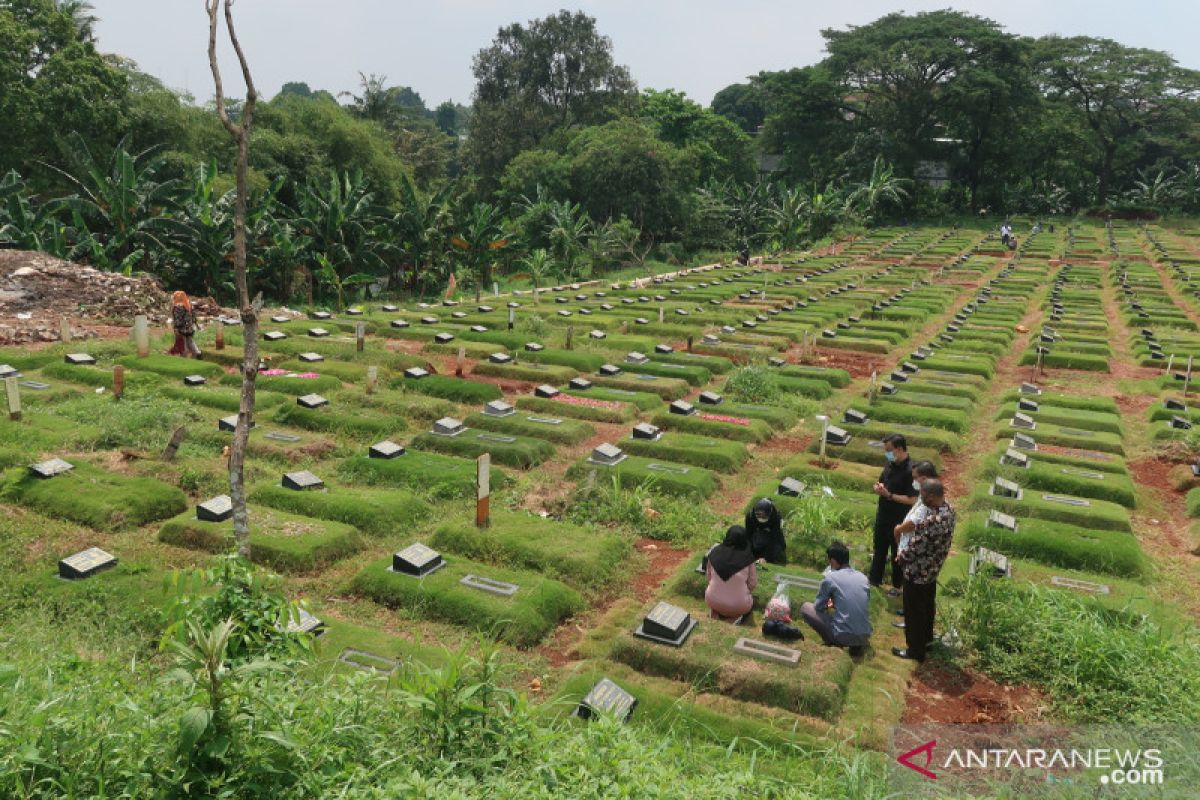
765 528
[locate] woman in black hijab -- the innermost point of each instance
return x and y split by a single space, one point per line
731 575
765 528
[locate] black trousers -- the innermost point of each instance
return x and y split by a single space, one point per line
919 609
885 553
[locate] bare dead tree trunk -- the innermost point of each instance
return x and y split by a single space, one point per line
249 309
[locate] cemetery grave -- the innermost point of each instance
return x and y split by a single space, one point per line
909 331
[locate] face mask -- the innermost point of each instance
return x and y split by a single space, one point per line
761 517
916 486
890 455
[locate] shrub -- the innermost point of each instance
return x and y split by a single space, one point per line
666 388
282 541
373 512
612 411
1061 545
1059 479
171 366
522 452
1095 664
1098 514
563 431
741 429
292 385
888 411
634 471
449 388
523 620
582 558
429 473
93 497
753 383
684 448
337 422
537 373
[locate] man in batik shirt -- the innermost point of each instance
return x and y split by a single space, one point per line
921 561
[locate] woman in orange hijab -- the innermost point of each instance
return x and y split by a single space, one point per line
183 319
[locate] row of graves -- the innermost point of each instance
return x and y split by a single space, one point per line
673 638
360 443
1056 505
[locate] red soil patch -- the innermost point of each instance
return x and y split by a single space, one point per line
942 693
859 365
664 559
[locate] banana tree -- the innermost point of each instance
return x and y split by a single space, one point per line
26 224
327 275
537 267
121 209
568 233
479 239
345 226
880 191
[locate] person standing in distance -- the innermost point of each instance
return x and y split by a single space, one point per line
896 498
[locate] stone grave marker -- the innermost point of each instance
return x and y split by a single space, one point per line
311 401
218 509
311 358
767 651
1180 423
195 380
416 373
644 430
1030 388
682 407
989 562
607 455
500 358
305 623
502 588
498 408
610 370
899 376
1002 487
429 320
321 315
443 338
35 385
51 469
545 390
790 487
836 435
1067 501
608 698
710 398
1021 441
280 436
79 358
663 348
386 449
448 426
887 388
1023 421
797 581
997 519
417 560
1080 586
280 318
361 659
636 358
9 371
318 333
85 564
302 481
580 384
854 417
400 323
666 624
1025 404
1014 458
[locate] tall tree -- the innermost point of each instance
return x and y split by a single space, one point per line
553 74
741 104
250 309
1121 92
722 150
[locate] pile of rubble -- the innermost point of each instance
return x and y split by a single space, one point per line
38 291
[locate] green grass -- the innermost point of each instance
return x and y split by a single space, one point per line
93 497
1098 462
374 512
1064 360
290 385
635 471
560 431
523 620
342 423
643 401
618 413
1098 514
430 474
666 388
535 373
221 398
576 360
706 661
813 388
585 558
1081 419
522 452
1061 436
171 366
837 378
1059 479
279 540
1062 545
889 411
684 448
694 375
450 388
755 430
779 418
1051 399
99 376
860 452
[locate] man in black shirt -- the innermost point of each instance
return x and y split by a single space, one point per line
896 497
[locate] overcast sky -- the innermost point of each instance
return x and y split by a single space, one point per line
698 46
